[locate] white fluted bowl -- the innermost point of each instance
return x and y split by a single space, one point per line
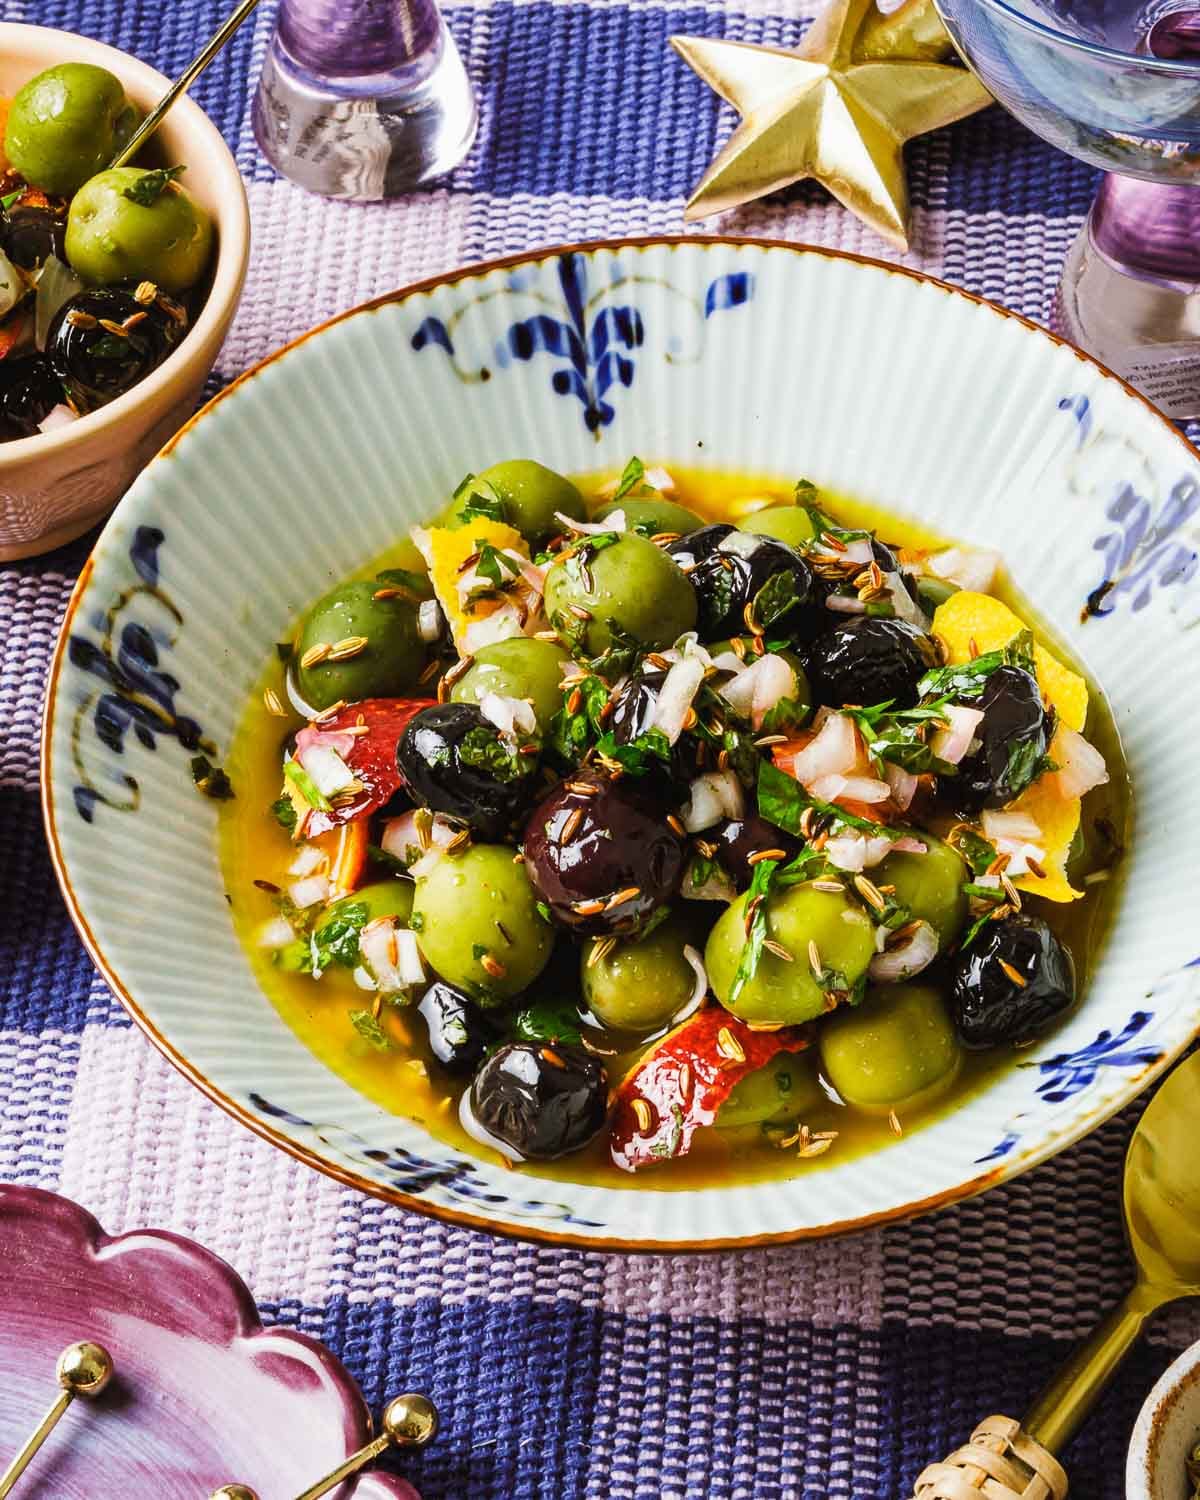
865 378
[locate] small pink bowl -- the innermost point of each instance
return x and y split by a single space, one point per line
54 486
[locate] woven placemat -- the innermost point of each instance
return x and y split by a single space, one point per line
831 1370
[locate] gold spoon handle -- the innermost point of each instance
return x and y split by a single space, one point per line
1064 1405
184 82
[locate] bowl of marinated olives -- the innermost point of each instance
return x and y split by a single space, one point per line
117 285
582 797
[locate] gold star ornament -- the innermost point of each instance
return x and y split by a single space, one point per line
839 108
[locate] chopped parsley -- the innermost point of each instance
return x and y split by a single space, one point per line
776 597
10 198
482 502
485 750
623 653
783 801
369 1029
784 716
974 848
701 870
210 779
1026 762
756 929
641 753
496 566
631 479
284 812
899 736
150 186
572 733
336 941
546 1022
294 772
967 679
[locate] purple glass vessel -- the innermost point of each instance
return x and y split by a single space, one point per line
363 98
1117 83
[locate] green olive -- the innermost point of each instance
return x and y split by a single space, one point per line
934 591
477 923
529 493
635 586
66 125
382 898
386 665
787 523
652 517
111 237
842 935
784 1090
517 668
930 885
895 1051
640 985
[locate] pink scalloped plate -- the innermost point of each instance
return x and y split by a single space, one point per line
204 1395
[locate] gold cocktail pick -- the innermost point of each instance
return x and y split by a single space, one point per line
82 1370
184 82
409 1421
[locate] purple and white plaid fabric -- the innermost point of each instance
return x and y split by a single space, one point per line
830 1370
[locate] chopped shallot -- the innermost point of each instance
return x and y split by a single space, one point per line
679 687
854 852
332 739
846 604
308 860
953 742
849 788
58 416
429 620
714 796
501 625
909 845
757 688
310 891
906 607
1009 825
511 716
1080 765
324 764
917 952
970 568
391 955
403 842
277 933
696 999
614 522
717 887
832 752
903 784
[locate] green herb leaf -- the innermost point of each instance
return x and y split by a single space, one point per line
701 870
294 772
809 864
756 933
573 734
369 1029
670 1146
496 566
974 848
483 502
485 750
640 754
390 862
544 1021
622 656
823 523
783 801
776 597
284 813
784 716
335 941
544 912
150 186
900 736
10 198
632 476
210 779
404 578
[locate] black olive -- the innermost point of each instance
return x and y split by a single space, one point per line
633 715
737 839
989 1005
1013 734
29 391
454 761
868 659
727 578
602 855
31 234
540 1100
103 342
458 1031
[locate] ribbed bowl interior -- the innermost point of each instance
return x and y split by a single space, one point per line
782 359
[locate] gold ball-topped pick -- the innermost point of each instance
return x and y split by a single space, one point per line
839 108
410 1420
84 1369
234 1492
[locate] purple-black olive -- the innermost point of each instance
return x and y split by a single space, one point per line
633 715
103 342
867 659
1013 737
30 234
602 855
540 1100
458 1031
29 390
729 575
454 761
989 1005
737 839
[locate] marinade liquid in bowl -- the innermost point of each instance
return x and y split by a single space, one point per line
728 804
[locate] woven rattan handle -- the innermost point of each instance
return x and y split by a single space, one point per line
1001 1462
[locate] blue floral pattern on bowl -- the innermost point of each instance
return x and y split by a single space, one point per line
592 337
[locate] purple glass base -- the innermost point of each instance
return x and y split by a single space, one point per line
1130 290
